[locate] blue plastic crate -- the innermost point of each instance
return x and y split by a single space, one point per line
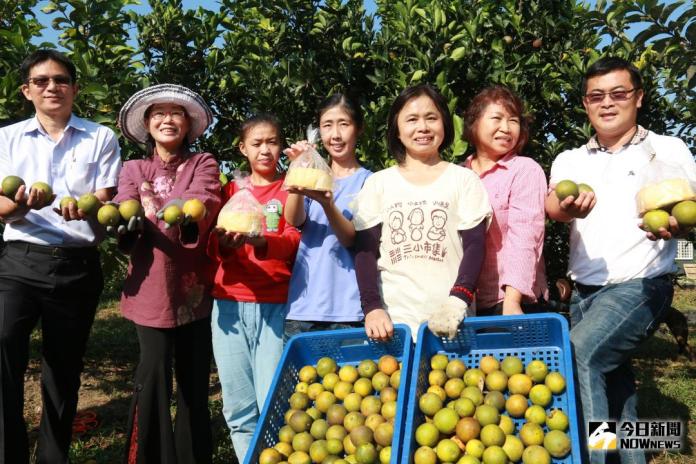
349 346
541 336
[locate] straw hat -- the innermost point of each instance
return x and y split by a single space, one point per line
131 119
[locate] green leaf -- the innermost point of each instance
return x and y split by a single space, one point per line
417 75
458 53
421 12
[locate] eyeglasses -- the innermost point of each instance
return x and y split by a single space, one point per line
615 95
177 115
43 81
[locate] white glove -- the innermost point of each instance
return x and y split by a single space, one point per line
446 320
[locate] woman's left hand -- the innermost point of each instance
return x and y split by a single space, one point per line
322 197
378 325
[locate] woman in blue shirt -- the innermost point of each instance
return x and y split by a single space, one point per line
323 290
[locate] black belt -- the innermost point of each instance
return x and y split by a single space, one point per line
582 288
54 251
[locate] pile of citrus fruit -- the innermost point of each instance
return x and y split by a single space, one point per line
498 412
340 415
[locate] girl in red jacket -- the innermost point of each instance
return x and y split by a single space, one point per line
251 287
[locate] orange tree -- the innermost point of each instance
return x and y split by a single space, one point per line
284 56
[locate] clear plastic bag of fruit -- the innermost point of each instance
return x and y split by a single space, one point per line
309 170
242 213
662 184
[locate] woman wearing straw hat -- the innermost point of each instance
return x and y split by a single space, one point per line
167 290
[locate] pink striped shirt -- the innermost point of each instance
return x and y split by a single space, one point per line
516 187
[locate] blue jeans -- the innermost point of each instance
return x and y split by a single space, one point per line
609 323
247 344
296 327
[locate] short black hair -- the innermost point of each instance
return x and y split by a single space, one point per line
40 56
394 145
609 64
348 103
261 118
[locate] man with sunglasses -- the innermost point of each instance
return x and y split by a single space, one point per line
49 264
622 275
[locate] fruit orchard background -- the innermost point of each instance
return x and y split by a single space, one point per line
284 56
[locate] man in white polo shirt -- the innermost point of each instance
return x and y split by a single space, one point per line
622 274
49 265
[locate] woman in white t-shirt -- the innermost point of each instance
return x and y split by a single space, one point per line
420 225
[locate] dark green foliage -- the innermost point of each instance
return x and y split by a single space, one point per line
284 56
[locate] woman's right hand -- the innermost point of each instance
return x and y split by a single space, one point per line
296 149
378 325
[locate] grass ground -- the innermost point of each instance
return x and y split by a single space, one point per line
112 354
666 386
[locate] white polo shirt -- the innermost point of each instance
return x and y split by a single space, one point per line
607 246
85 159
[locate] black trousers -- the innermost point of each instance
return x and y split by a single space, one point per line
150 435
60 287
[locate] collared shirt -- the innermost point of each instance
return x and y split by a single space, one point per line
640 135
608 247
84 160
516 187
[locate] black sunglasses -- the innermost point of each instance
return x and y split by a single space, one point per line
43 81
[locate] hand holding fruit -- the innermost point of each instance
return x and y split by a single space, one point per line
229 239
178 212
68 209
39 195
13 188
322 197
660 224
446 320
171 213
297 148
78 209
576 200
133 214
121 218
194 210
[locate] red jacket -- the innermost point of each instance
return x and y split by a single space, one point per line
252 274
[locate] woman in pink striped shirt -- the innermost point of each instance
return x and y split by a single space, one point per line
513 276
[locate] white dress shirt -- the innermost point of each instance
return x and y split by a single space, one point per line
607 247
85 159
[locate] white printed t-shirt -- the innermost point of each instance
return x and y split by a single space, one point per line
420 249
608 247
